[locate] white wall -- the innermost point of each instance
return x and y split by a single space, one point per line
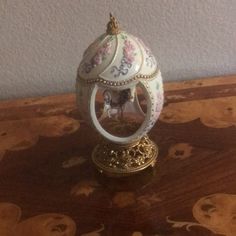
41 41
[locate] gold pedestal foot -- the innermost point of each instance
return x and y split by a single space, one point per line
123 160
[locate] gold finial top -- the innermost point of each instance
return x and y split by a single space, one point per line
113 26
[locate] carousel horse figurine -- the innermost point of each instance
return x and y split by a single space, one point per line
114 103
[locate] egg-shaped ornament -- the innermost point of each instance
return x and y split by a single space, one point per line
120 93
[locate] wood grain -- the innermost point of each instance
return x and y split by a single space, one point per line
50 187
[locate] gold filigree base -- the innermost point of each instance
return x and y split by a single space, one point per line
123 160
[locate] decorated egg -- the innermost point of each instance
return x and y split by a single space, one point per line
119 88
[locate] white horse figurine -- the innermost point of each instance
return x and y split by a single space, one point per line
114 102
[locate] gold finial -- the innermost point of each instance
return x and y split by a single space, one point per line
113 26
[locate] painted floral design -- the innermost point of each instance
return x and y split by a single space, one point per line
98 58
128 51
159 104
93 45
150 59
127 59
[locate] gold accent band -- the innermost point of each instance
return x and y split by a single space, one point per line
121 82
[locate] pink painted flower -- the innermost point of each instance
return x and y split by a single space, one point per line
128 51
129 46
97 60
129 57
159 104
101 54
107 48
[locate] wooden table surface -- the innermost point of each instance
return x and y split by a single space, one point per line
49 187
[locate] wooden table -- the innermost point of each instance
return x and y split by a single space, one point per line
49 187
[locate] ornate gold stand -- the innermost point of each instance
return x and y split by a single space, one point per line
117 160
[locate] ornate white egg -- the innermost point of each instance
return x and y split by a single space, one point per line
118 63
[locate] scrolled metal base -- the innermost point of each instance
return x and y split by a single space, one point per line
123 160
